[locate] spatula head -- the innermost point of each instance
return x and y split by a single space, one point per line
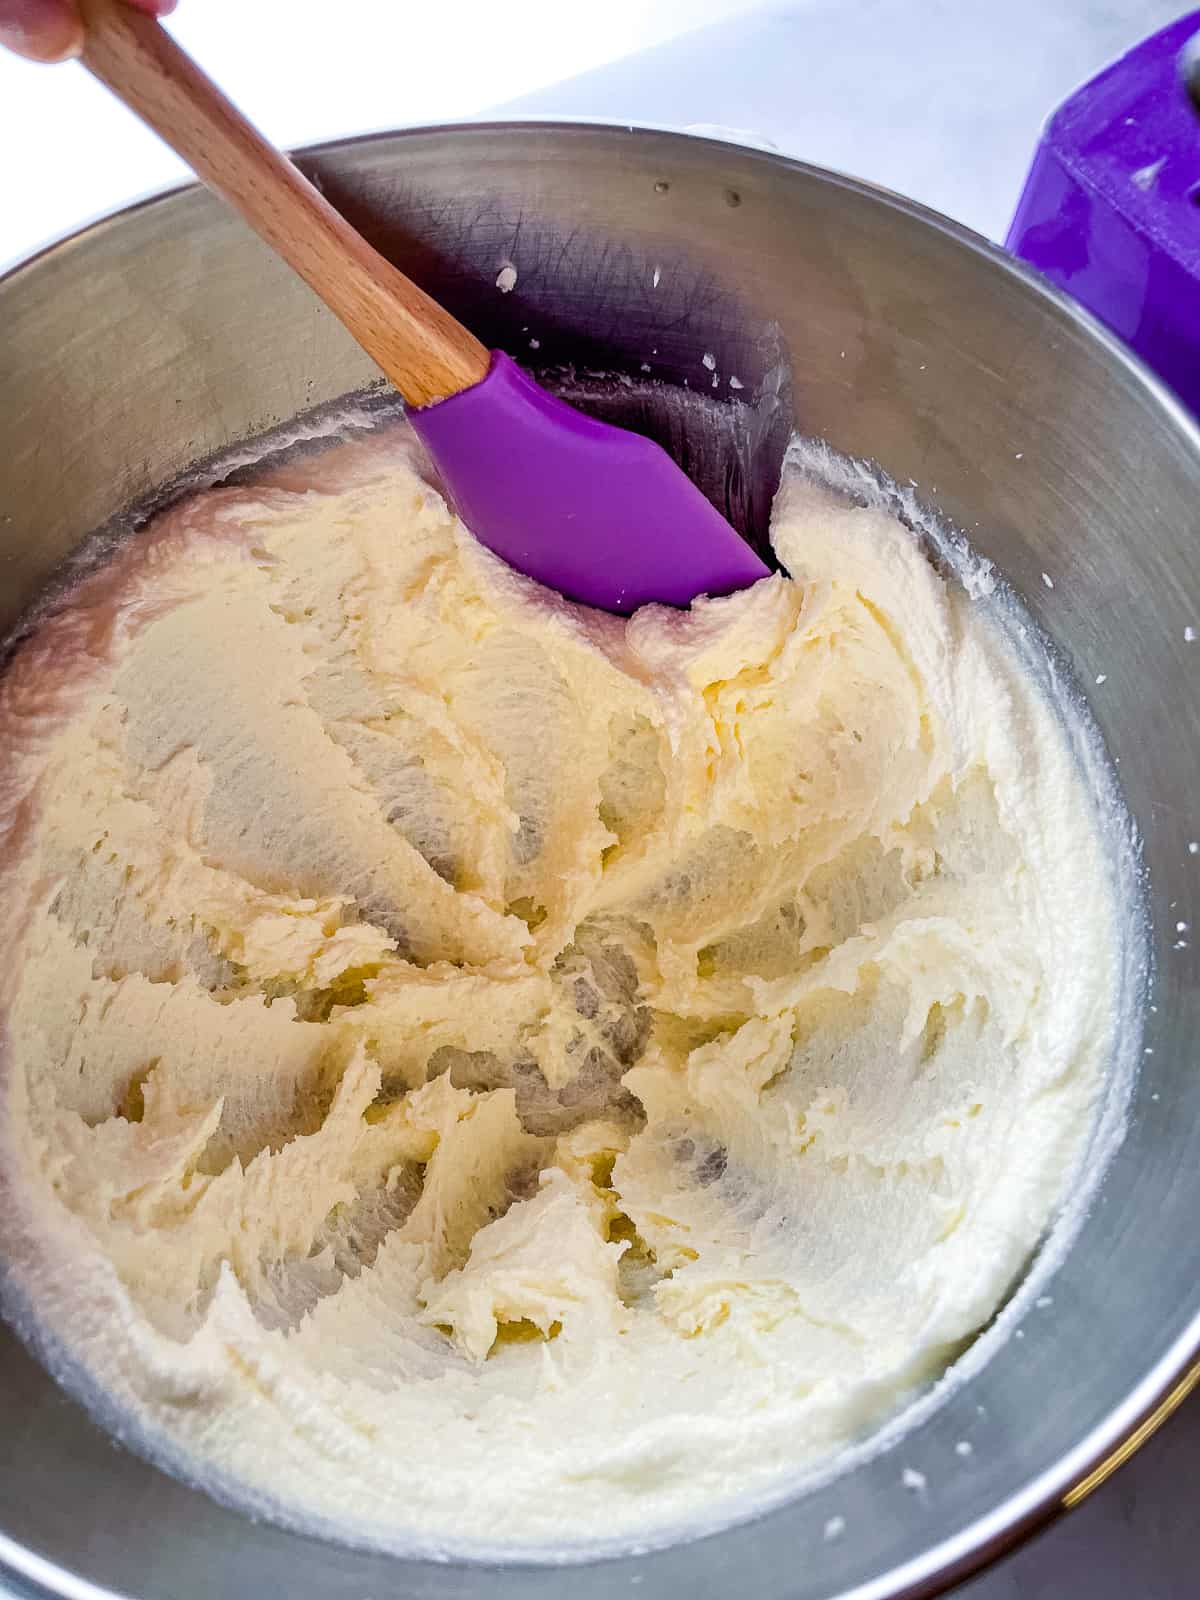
600 514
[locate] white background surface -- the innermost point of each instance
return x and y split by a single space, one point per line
941 99
305 70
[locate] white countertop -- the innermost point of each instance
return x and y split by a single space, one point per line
71 152
940 99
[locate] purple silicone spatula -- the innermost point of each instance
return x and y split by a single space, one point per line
600 514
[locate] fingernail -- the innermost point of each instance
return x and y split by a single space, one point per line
43 30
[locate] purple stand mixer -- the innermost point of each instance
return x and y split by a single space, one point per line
1111 207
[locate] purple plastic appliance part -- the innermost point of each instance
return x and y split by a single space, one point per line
600 514
1110 208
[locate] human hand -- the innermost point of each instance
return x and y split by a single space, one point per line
51 30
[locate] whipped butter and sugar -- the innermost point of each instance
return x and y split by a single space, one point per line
478 1072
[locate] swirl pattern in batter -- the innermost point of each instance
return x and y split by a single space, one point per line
481 1073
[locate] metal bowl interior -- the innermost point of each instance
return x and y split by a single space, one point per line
167 334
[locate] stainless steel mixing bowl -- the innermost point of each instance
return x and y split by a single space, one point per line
166 333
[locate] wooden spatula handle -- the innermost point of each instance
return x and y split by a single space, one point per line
421 348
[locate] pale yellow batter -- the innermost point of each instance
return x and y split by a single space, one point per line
482 1072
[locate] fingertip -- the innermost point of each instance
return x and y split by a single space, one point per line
41 30
67 43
